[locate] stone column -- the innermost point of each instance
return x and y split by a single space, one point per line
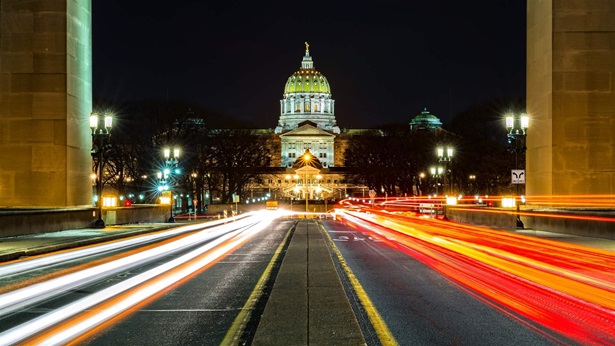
571 97
45 101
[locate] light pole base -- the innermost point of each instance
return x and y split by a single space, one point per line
100 223
171 219
520 223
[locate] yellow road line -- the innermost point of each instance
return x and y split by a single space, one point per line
239 324
382 330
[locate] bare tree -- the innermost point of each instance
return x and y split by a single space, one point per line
238 156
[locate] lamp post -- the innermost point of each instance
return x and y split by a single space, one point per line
447 156
171 160
436 172
419 191
306 159
472 179
195 200
516 125
101 132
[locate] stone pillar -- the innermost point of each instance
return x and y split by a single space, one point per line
45 101
571 97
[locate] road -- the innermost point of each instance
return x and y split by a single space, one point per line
437 282
409 281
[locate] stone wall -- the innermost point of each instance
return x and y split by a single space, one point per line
596 224
487 217
14 222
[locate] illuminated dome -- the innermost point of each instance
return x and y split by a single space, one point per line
307 96
425 121
304 81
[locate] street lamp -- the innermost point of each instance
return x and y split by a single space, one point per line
101 132
447 157
436 172
171 160
516 125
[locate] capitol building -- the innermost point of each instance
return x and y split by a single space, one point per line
310 162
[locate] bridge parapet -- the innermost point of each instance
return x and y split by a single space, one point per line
586 222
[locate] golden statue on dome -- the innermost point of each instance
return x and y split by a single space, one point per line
307 47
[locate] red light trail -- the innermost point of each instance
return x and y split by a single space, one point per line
567 288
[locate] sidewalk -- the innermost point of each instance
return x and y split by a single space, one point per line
12 248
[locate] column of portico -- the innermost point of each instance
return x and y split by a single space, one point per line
45 101
571 97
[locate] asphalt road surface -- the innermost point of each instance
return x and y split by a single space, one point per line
421 306
202 309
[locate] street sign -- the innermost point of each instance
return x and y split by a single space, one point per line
235 198
518 176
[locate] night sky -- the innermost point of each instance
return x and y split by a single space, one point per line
385 61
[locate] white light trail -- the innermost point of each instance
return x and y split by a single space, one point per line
38 263
18 299
21 332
